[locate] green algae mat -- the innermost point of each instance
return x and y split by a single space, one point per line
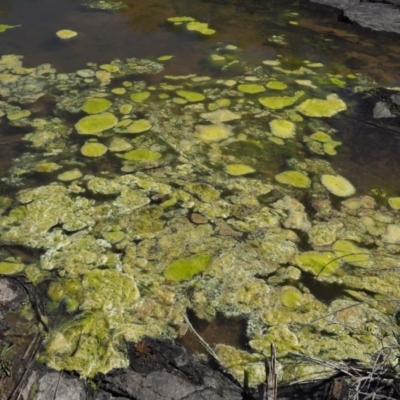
144 200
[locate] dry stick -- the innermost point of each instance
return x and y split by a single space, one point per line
209 349
272 383
328 364
27 367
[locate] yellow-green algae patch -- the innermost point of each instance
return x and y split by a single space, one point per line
251 88
279 102
321 136
93 149
140 96
212 133
219 116
322 108
186 268
18 115
276 85
125 109
71 175
96 105
318 263
96 124
89 344
119 90
338 185
283 129
352 254
165 58
66 34
134 127
45 167
109 68
181 19
142 155
294 178
394 202
10 266
291 297
191 97
201 27
4 27
239 169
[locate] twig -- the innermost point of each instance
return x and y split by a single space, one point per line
27 368
58 384
210 350
272 383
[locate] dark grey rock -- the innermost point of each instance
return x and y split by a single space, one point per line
376 15
382 110
396 98
8 292
55 386
162 385
102 395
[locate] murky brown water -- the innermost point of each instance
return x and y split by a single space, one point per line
140 30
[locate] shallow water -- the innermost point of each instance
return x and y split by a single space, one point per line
291 31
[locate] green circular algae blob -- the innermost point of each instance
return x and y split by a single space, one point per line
96 105
95 124
185 268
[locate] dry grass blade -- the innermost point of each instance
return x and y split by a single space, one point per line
209 350
272 382
16 393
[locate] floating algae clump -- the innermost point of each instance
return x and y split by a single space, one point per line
71 175
294 178
18 115
322 108
139 97
291 297
318 263
180 19
283 129
239 169
66 34
142 155
251 88
89 344
109 68
44 167
201 27
93 149
212 133
129 126
192 97
352 254
394 202
10 266
185 268
218 116
96 105
338 185
278 102
4 27
276 85
96 124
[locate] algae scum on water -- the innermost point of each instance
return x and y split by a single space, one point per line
145 200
